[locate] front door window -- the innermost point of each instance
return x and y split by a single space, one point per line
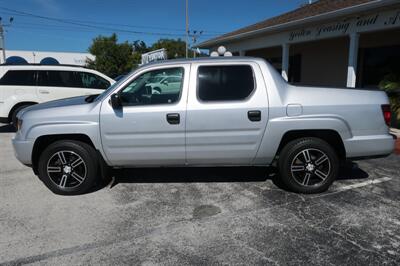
162 86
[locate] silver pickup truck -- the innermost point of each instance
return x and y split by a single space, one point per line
234 111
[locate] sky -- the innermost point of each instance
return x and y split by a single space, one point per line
71 25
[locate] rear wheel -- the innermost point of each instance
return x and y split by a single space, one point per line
308 165
68 167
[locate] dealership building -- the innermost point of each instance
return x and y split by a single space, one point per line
326 43
43 57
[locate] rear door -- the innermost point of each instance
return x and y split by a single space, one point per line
58 84
18 86
227 114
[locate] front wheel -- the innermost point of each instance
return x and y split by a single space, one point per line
308 165
68 167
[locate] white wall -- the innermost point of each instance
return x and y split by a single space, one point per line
62 57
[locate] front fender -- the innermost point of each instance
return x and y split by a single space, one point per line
90 129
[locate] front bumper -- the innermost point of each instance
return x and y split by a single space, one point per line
4 120
23 150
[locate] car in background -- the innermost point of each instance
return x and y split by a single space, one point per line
25 85
165 84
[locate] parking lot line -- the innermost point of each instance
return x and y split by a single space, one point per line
364 183
353 186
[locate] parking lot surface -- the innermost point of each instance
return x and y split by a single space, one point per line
201 216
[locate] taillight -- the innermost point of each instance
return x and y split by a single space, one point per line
387 114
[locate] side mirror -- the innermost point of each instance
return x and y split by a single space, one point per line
115 101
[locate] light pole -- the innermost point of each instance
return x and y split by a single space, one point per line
3 47
187 28
196 34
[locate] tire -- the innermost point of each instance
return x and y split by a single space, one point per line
68 167
308 165
14 114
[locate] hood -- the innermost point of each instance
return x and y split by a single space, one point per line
54 104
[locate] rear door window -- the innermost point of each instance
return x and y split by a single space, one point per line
225 83
55 78
19 78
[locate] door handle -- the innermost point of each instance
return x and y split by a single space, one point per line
44 91
174 118
254 115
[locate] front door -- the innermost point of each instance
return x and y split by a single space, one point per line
149 128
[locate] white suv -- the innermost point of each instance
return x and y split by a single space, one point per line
25 85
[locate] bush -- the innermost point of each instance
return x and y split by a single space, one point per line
391 84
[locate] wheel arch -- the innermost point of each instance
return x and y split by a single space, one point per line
45 140
332 137
17 105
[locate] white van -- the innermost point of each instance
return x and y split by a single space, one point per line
25 85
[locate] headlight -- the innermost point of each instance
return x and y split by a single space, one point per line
19 124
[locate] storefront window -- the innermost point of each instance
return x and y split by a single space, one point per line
376 63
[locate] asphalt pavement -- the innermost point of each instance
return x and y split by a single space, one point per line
201 216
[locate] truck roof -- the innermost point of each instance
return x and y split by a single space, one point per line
204 60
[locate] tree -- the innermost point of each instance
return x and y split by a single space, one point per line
112 58
175 48
139 48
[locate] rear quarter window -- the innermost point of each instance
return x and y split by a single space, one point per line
225 83
93 81
19 78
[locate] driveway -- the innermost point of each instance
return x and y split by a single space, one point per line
201 216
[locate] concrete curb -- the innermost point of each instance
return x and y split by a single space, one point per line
396 132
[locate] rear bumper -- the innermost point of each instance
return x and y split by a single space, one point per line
23 150
369 146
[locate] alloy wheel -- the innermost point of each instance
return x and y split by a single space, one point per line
66 169
310 167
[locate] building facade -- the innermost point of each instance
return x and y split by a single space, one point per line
36 57
327 43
